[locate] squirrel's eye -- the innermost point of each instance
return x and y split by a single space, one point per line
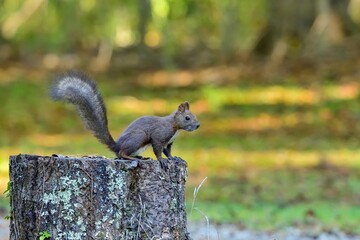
187 118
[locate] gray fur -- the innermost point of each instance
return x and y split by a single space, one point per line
79 90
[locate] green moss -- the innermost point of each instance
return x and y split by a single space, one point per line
116 184
173 204
61 205
116 187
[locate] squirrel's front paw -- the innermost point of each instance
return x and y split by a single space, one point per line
164 163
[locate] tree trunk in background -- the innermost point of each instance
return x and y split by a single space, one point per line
288 24
229 34
306 27
343 9
327 30
96 198
144 16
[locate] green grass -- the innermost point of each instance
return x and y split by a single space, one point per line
268 198
267 216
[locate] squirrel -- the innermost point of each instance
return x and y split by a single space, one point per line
160 132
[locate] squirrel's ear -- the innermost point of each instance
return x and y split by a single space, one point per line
187 105
184 106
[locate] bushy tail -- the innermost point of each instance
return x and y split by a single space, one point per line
79 90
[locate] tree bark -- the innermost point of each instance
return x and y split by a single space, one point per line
96 198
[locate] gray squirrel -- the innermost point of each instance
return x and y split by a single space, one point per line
159 132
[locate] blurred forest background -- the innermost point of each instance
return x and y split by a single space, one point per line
275 85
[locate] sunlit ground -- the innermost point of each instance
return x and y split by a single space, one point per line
274 155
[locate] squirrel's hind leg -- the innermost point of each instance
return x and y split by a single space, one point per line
132 144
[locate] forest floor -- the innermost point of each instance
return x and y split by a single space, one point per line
202 231
4 229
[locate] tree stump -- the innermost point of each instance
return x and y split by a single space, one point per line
96 198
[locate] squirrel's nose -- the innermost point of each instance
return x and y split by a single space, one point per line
198 125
